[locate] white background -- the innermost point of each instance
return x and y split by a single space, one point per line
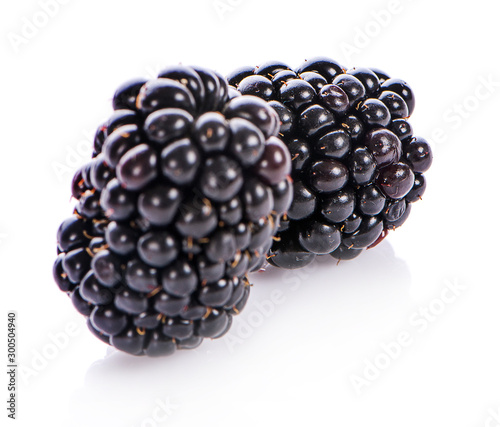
292 355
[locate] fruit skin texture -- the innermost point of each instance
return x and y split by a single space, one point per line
357 168
179 203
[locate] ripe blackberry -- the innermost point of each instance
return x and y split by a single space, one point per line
356 165
180 201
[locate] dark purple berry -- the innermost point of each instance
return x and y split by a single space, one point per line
211 131
126 95
304 202
248 142
335 144
315 119
158 248
384 145
275 163
368 232
370 200
352 87
270 68
159 204
396 180
418 188
94 292
282 77
299 151
258 199
354 127
159 345
108 320
398 222
320 238
254 110
334 98
100 173
345 253
216 294
316 80
213 324
117 202
283 195
286 117
83 307
60 277
221 178
231 212
141 277
180 161
106 267
395 104
401 88
238 75
137 167
179 279
188 77
297 94
402 129
368 78
178 328
374 112
72 233
76 264
167 125
165 93
221 246
339 206
197 218
169 305
418 154
119 142
289 254
131 302
327 67
130 341
258 86
327 176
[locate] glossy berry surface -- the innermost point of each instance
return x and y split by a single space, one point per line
357 167
179 203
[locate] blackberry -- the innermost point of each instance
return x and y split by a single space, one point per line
180 201
356 166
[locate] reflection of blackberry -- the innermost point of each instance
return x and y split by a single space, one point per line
356 165
180 201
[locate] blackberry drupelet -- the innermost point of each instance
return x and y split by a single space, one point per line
356 166
181 200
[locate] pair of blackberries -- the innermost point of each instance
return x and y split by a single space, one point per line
189 189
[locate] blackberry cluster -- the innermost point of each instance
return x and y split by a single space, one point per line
180 201
356 166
